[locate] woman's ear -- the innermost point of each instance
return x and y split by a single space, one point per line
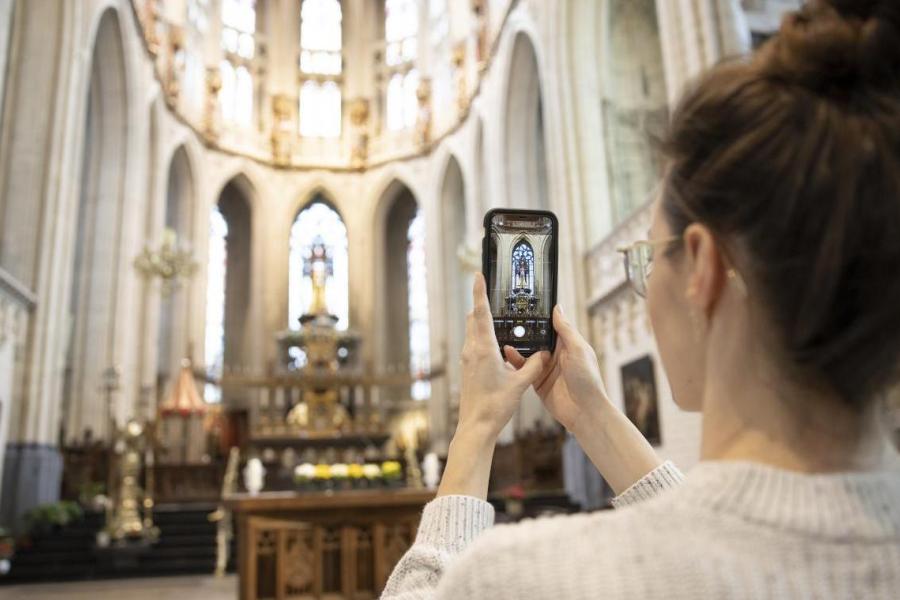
705 268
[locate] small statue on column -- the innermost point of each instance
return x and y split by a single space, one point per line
359 117
211 111
423 122
281 130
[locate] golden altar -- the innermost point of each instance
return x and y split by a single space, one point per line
340 545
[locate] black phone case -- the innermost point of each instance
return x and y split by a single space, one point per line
554 254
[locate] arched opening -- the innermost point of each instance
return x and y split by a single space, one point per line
318 225
174 315
634 103
93 296
405 336
456 279
526 167
228 283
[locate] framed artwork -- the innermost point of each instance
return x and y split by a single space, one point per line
641 405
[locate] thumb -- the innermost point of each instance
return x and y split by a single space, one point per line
533 368
564 328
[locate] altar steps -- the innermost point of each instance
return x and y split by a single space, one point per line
187 545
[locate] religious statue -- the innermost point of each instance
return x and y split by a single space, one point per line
318 268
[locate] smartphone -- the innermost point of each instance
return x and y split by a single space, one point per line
519 258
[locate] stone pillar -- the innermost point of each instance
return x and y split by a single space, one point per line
696 34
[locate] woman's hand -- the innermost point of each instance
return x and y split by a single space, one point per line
490 392
491 388
572 390
571 386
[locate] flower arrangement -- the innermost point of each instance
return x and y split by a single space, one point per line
392 472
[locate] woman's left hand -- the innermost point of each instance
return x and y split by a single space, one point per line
491 391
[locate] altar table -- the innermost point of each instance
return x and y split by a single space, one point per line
331 544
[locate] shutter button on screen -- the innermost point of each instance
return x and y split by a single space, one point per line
518 331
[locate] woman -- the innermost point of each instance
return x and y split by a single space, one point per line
774 299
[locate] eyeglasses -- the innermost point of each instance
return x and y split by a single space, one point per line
639 262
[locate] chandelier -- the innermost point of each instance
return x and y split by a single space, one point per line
170 263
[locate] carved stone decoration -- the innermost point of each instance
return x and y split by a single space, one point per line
211 110
462 87
423 122
174 65
150 20
359 118
479 8
281 129
299 561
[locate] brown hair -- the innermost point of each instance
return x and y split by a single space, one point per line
793 156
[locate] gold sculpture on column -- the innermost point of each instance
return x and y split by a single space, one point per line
281 129
462 87
149 23
359 117
173 69
423 122
125 519
479 7
211 111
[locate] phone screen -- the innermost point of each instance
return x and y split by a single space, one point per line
520 249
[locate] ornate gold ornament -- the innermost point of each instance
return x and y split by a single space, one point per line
282 129
211 109
171 262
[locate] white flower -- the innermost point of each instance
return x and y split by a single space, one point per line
340 470
305 471
371 471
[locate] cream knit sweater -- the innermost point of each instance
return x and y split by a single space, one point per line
729 530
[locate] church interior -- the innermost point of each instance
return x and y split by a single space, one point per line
237 246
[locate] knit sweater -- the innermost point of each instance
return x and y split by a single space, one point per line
729 530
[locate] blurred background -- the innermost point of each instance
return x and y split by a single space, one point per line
237 240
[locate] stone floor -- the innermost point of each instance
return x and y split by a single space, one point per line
162 588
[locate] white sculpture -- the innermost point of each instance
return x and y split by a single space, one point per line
254 476
431 468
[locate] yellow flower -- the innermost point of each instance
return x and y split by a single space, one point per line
391 469
355 471
323 471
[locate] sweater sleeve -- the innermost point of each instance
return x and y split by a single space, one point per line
448 526
660 479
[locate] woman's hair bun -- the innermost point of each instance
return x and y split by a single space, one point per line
838 47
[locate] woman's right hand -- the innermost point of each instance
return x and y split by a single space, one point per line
571 387
572 390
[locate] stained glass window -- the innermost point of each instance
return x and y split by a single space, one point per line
523 267
402 104
419 351
214 344
320 56
318 221
320 109
401 26
320 37
236 94
239 27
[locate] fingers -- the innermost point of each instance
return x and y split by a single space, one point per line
482 309
547 378
512 355
566 331
533 368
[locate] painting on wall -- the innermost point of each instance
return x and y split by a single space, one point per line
641 405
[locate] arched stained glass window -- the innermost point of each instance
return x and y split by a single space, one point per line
318 223
419 350
214 344
523 268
